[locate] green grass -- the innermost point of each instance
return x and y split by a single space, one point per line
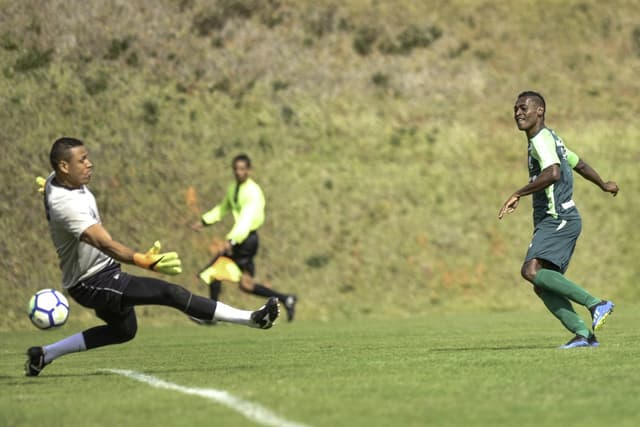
498 369
384 160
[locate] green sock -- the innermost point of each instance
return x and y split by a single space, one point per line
561 308
557 283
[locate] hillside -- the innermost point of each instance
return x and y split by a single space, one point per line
381 132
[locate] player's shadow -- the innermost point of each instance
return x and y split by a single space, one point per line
24 381
47 376
488 348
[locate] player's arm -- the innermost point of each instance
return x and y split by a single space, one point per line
214 215
590 174
98 237
548 176
544 150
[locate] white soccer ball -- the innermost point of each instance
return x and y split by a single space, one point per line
48 308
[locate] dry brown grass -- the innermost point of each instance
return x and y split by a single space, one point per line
384 171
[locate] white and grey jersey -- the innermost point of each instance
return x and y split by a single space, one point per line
70 212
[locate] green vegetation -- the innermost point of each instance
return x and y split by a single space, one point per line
381 132
489 369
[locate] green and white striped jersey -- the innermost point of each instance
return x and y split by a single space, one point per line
545 149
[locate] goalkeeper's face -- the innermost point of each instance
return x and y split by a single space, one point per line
241 171
78 168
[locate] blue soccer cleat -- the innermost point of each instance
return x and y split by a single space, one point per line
578 341
600 312
593 341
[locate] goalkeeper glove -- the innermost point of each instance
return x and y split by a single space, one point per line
41 182
166 263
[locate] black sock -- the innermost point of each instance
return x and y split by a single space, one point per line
214 289
263 291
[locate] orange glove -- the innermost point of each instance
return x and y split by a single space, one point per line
166 263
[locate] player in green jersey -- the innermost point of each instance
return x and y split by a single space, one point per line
556 220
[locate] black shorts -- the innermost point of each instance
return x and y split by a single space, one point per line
242 254
103 291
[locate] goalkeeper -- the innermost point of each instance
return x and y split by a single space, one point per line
90 263
245 200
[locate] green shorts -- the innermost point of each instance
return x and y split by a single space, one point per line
554 240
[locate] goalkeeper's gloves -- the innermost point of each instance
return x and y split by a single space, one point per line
41 182
166 263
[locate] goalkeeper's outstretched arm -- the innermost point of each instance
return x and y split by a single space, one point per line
167 263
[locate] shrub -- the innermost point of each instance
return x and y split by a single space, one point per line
133 60
364 39
279 85
459 50
118 47
7 42
287 114
272 15
150 112
317 261
32 59
222 85
206 22
410 38
635 39
380 79
95 85
415 36
321 22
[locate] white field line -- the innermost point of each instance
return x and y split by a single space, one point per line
252 411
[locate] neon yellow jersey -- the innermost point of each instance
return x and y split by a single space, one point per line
247 207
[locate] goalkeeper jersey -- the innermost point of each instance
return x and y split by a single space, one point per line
246 202
545 149
70 211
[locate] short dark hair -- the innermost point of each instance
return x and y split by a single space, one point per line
533 94
242 158
60 150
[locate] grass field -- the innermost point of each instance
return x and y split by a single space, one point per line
383 137
499 369
372 138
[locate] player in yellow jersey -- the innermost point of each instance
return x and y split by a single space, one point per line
245 200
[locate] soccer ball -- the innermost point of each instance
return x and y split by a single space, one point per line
48 308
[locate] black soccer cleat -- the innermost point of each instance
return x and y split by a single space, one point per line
265 316
35 361
290 306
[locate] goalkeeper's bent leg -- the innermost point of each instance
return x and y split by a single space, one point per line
148 291
152 291
121 327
